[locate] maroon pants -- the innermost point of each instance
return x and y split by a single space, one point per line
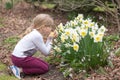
31 65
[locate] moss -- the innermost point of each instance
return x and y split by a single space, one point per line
48 5
7 77
2 67
11 40
4 75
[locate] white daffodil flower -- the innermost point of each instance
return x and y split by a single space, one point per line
67 32
57 49
92 24
102 29
75 37
91 33
101 34
97 38
63 37
60 26
95 27
83 32
67 45
75 47
80 16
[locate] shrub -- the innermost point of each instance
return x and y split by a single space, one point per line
9 4
80 44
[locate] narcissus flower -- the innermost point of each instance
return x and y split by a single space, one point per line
60 26
102 29
67 32
75 38
91 33
57 49
63 38
97 38
83 33
80 16
75 47
73 23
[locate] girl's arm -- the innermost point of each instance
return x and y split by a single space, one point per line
42 47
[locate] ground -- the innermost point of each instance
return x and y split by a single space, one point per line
15 21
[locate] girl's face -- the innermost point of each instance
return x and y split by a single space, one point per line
45 31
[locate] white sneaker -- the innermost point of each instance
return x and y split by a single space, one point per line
16 71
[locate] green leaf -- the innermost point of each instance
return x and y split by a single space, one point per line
48 5
101 70
110 64
98 8
117 52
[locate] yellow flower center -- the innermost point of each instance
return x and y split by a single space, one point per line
83 34
86 22
97 38
91 24
67 33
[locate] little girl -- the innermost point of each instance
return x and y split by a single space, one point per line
29 44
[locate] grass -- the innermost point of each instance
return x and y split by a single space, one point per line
45 5
111 40
1 22
2 67
117 52
48 5
1 25
101 71
113 37
36 54
10 42
4 75
7 77
39 55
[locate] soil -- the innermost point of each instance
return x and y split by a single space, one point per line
17 19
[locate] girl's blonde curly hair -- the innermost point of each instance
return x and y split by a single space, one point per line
39 21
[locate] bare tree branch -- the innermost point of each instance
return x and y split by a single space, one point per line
116 14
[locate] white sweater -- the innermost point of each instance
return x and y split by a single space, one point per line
30 43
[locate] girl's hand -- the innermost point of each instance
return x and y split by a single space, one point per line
53 34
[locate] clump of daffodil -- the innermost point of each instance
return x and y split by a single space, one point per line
81 43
